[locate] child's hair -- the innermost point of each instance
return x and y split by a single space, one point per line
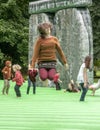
42 28
17 67
7 63
87 61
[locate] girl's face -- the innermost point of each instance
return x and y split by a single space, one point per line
48 31
10 65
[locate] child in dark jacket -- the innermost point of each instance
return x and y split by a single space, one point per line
32 73
32 80
18 78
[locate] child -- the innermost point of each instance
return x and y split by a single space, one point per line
32 80
6 76
45 54
72 87
94 87
82 77
18 79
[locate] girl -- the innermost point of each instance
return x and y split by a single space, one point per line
82 77
44 54
18 79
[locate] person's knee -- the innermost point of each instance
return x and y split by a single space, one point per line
51 74
85 91
43 74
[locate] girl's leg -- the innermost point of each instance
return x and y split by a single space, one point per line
29 85
93 91
29 82
8 86
17 90
84 91
28 89
51 74
5 86
57 86
43 74
34 87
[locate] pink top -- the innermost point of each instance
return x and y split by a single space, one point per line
18 78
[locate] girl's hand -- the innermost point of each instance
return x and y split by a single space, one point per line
30 68
86 85
66 66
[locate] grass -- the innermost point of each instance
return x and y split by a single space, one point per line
98 73
48 110
97 76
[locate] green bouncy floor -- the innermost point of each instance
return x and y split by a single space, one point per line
48 110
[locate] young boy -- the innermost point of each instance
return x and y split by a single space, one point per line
94 87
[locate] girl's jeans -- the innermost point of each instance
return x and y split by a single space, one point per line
17 90
33 84
84 91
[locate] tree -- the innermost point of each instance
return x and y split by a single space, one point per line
95 15
14 32
14 28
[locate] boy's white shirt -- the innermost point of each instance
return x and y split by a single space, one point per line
96 85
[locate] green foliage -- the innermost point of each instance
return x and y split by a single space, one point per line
14 32
95 15
1 55
97 62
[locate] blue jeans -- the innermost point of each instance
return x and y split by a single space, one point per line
33 84
17 90
84 91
